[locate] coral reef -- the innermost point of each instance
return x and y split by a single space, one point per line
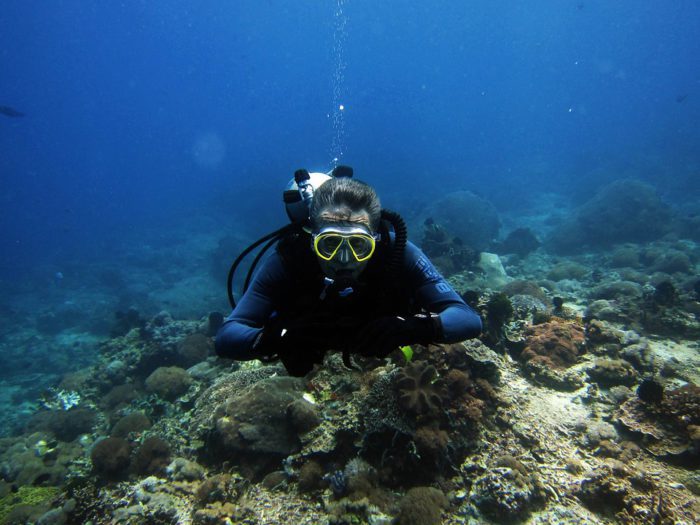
551 348
418 392
632 498
422 506
504 493
448 253
111 457
152 457
623 211
467 216
585 426
256 426
169 382
611 372
670 426
570 270
27 504
520 241
135 422
65 425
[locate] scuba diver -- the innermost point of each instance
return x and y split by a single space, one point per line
343 277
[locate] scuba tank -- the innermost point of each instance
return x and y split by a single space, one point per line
297 198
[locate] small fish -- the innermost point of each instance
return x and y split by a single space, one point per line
680 98
10 112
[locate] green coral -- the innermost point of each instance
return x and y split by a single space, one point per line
25 496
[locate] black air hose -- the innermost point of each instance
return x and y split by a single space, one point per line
400 239
272 237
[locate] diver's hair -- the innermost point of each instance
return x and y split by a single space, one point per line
346 195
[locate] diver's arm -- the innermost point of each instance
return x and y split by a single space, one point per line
242 328
456 320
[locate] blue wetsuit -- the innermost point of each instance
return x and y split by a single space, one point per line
293 286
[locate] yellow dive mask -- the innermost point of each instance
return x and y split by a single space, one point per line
330 241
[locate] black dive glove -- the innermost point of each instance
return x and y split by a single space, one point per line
299 343
380 337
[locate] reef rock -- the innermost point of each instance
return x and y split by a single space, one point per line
520 241
669 428
612 372
468 216
257 426
550 349
505 494
623 211
491 265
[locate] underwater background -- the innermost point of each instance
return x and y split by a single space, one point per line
543 153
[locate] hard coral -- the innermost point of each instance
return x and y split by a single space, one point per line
523 287
256 427
623 211
561 342
111 457
471 218
422 506
134 422
418 391
193 349
505 494
520 241
169 382
66 425
220 488
27 504
633 499
612 372
550 348
669 426
152 456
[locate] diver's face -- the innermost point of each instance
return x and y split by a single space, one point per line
343 261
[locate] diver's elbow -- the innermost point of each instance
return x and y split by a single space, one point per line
225 343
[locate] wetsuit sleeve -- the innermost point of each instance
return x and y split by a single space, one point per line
236 337
433 293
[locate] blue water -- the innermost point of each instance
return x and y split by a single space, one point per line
148 123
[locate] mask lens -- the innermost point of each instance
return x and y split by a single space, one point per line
362 246
327 245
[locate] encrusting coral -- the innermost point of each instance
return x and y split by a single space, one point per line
670 426
551 348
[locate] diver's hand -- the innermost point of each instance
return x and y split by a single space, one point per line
382 336
298 343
